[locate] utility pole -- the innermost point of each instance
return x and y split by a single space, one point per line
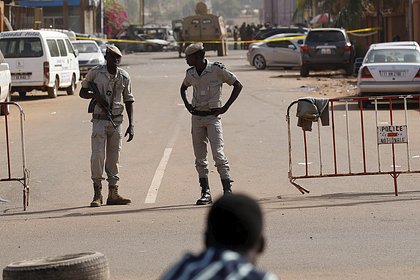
410 19
102 4
141 14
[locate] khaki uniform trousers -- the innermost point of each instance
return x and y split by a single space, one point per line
209 129
106 144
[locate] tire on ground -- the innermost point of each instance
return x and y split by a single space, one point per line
89 265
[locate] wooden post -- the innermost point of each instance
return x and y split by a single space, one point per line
37 18
1 16
66 15
82 16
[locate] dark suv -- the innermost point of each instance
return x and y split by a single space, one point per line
327 49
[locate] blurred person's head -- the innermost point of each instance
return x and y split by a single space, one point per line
236 222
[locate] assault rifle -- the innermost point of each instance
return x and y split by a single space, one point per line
101 101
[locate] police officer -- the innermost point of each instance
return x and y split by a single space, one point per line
207 79
114 86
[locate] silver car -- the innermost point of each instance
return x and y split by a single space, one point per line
390 70
281 50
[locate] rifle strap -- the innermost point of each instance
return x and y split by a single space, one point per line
114 89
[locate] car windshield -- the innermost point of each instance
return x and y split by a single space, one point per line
21 47
87 47
325 36
393 56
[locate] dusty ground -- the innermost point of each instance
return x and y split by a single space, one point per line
331 84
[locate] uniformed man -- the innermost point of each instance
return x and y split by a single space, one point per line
114 87
207 79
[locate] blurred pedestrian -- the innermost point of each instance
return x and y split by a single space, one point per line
207 79
233 241
235 37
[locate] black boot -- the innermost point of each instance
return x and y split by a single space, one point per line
227 186
205 192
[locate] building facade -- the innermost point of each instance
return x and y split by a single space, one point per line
279 12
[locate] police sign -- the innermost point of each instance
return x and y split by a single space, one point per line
392 134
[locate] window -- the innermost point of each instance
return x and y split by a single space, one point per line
206 21
52 45
195 21
62 47
21 47
279 44
69 46
325 36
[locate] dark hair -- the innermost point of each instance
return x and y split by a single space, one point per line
234 221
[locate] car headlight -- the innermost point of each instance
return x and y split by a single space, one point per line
94 61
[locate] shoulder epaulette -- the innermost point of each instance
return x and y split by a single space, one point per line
219 64
124 74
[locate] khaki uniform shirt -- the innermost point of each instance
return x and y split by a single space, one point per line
118 86
207 87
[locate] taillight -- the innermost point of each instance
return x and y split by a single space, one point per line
365 73
304 48
348 48
418 74
47 69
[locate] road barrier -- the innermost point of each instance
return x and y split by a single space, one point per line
365 136
23 178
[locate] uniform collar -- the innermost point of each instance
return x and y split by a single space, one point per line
208 69
105 71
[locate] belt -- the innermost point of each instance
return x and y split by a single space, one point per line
203 113
103 117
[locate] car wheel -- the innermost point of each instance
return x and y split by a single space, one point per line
149 48
304 71
4 108
53 91
70 90
259 62
91 265
22 94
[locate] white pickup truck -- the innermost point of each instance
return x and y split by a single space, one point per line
5 85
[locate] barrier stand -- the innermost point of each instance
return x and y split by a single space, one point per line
391 134
24 179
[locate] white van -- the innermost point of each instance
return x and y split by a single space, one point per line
40 60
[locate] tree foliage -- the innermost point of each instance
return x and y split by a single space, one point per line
115 19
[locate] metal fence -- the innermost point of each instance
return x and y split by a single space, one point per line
12 153
365 136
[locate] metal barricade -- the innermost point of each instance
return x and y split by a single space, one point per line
359 140
23 178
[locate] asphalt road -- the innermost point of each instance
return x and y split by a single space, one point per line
345 228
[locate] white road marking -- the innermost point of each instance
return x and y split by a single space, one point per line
160 171
157 178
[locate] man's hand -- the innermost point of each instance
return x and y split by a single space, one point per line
130 133
190 108
218 111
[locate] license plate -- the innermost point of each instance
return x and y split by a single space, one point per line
20 77
392 73
325 51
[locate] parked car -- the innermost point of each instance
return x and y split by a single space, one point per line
327 49
265 33
281 50
389 70
40 60
140 43
89 56
5 85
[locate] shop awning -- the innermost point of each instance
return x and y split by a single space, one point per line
53 3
